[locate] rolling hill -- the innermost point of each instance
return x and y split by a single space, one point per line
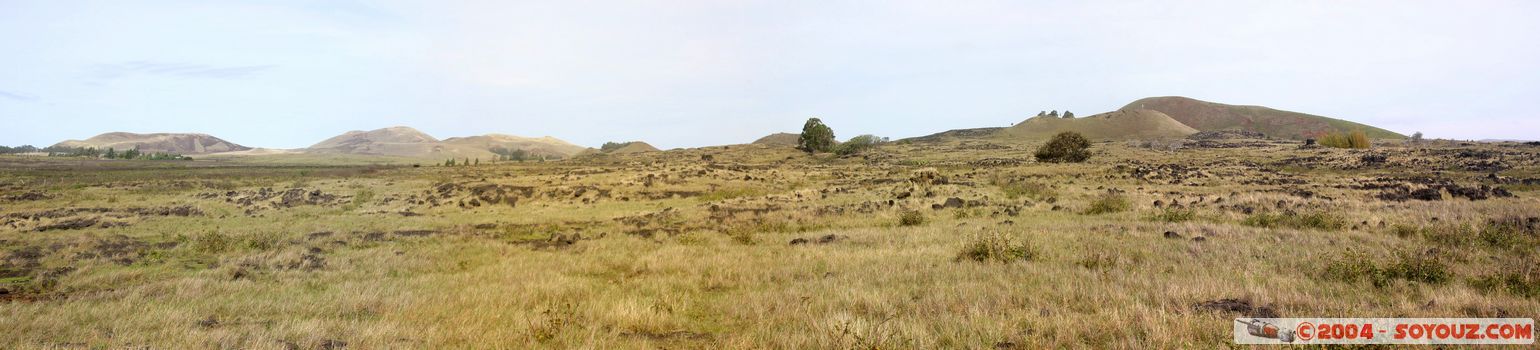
549 147
634 147
396 141
158 142
780 139
1116 125
1210 116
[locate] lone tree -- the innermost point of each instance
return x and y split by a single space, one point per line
1066 147
1069 115
1417 137
1055 113
816 137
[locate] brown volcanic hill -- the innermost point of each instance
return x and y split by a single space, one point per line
158 142
396 141
1210 116
1117 125
780 139
634 147
544 146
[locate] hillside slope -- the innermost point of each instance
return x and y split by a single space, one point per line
634 147
1117 125
396 141
780 139
158 142
542 146
1210 116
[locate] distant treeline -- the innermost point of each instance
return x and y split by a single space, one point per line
93 152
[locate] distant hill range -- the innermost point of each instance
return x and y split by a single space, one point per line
408 142
1117 125
780 139
1210 116
184 143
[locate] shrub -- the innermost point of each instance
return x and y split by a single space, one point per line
911 218
1066 147
1109 203
1509 232
1352 267
1520 284
995 247
857 144
1319 220
611 146
816 137
211 242
1356 139
1174 215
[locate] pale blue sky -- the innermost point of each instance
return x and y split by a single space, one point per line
681 73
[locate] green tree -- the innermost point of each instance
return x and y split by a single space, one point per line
611 146
1054 113
111 153
1066 147
816 137
1069 115
858 144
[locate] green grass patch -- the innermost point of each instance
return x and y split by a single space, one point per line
1353 267
1109 203
1316 220
1174 215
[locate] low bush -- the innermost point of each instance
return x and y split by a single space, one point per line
1352 267
1066 147
1317 220
1526 285
1355 139
1174 215
1109 203
911 218
995 247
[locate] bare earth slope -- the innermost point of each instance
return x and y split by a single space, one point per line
1117 125
1210 116
158 142
396 141
543 146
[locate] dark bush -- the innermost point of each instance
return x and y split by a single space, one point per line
1066 147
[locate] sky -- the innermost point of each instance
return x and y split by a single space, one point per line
685 73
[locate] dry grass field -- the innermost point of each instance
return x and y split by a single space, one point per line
936 244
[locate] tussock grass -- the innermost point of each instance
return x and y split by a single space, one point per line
996 247
1313 220
1108 203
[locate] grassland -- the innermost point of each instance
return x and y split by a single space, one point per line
760 247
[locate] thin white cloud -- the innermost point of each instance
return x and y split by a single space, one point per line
17 96
176 70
